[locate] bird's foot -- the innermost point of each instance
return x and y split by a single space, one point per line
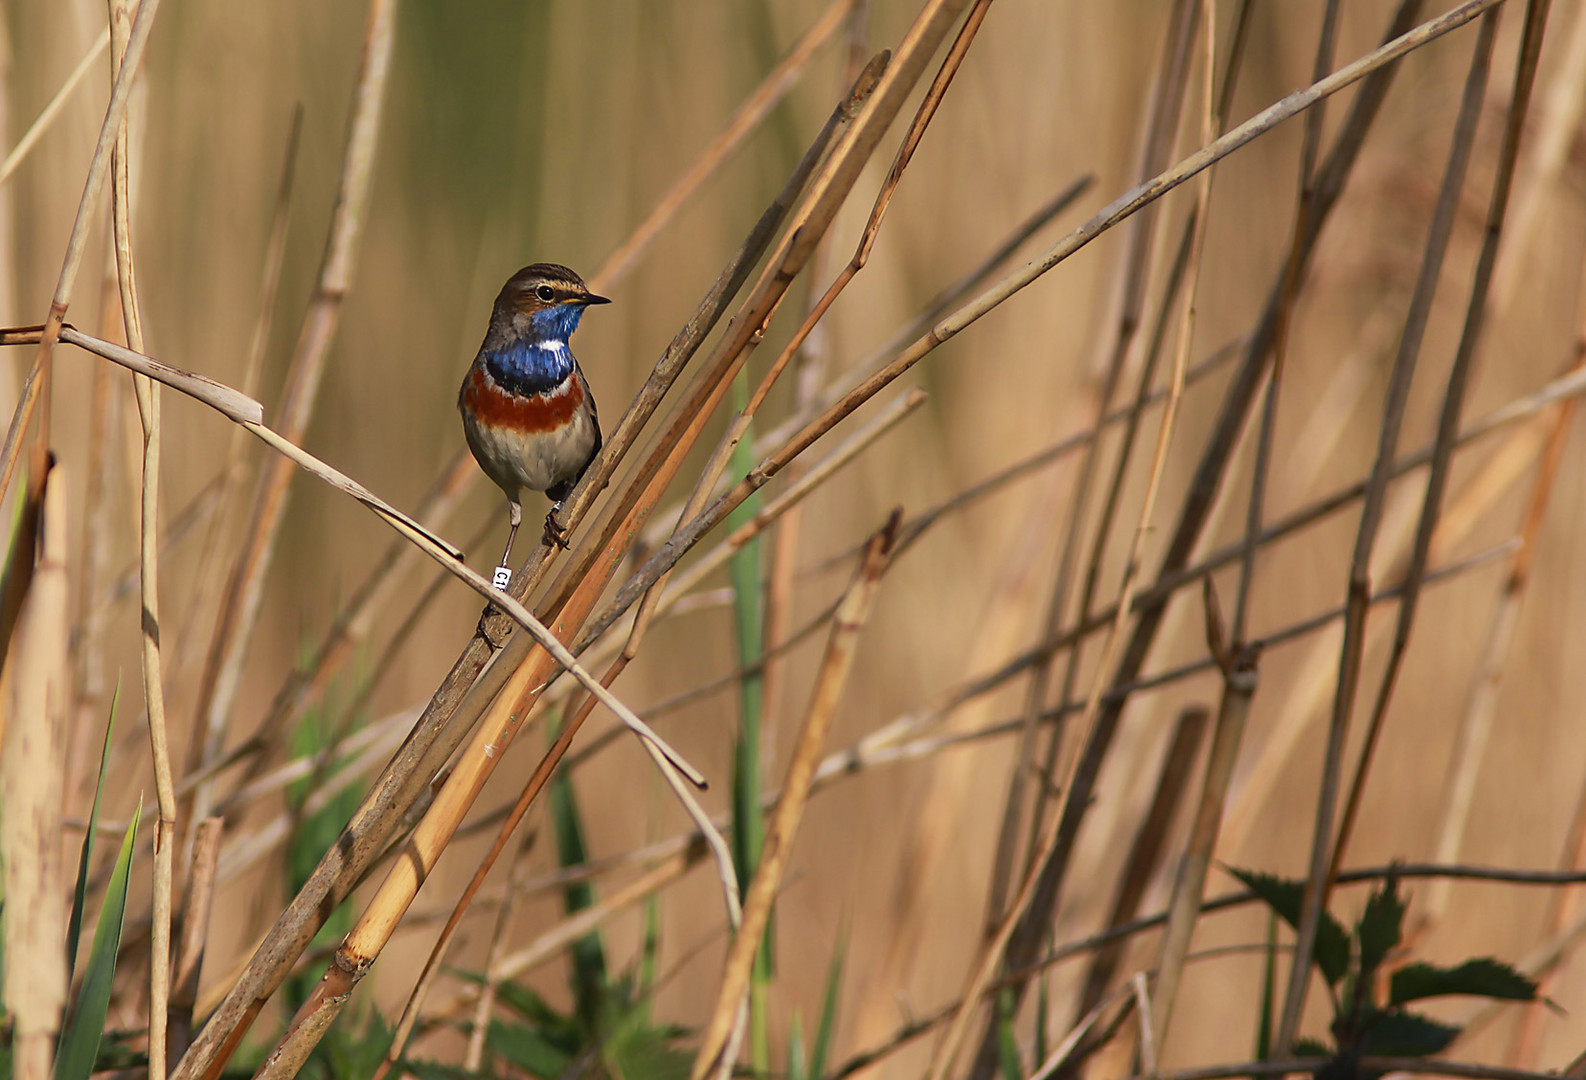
555 535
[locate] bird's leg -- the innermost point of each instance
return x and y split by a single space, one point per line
503 575
554 533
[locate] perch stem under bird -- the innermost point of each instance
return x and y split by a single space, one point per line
528 413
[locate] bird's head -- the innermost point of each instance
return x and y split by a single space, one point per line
543 302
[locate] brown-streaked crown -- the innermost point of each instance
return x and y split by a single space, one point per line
544 285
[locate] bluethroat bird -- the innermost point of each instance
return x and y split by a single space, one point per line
527 411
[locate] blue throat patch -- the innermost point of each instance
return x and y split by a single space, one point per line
541 363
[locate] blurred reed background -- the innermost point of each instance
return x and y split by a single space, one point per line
515 132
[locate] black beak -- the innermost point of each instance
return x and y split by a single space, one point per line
591 298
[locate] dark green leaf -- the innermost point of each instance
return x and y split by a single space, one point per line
440 1070
74 925
1286 897
1379 929
79 1043
1406 1034
589 955
1484 977
1269 965
561 1031
1008 1042
645 1053
527 1049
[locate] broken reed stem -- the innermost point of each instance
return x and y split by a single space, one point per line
1453 403
1359 583
33 918
853 610
148 397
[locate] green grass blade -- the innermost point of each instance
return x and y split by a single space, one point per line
1269 967
798 1067
74 925
79 1045
748 820
827 1028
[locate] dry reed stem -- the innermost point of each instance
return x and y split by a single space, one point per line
1481 704
1239 669
148 397
1359 583
755 108
1310 149
1476 313
1172 76
197 906
1558 126
232 404
244 595
76 243
46 117
33 917
1145 853
473 1057
782 827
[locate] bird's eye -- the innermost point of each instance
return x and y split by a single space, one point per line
545 293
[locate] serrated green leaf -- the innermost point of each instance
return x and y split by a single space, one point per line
561 1031
1380 928
1286 897
1406 1034
645 1053
79 1042
527 1048
1483 977
1311 1048
74 924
